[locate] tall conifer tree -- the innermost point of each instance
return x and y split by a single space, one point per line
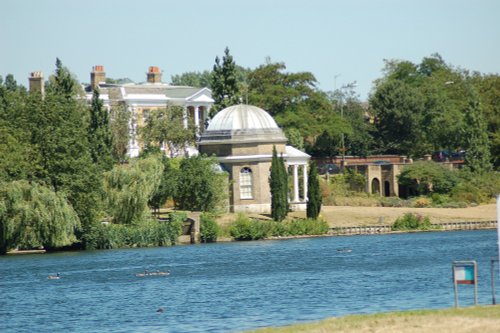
99 133
225 89
278 183
477 152
313 193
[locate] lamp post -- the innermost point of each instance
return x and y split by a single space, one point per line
347 86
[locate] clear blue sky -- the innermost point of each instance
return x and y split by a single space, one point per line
348 38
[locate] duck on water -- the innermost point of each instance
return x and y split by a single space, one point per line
157 273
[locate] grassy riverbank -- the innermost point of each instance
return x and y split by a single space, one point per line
356 216
483 319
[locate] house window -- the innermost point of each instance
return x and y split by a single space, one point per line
246 183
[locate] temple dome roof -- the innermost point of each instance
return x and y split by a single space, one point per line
243 122
241 116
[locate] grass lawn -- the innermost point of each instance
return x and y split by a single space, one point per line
356 216
482 319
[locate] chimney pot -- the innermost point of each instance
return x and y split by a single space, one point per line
36 82
154 74
97 76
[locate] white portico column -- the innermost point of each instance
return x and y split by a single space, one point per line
295 183
206 115
197 118
185 116
304 178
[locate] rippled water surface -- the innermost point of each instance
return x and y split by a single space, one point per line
237 286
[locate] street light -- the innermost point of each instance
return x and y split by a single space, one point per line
347 86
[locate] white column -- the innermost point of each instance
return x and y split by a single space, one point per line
197 118
185 117
295 183
304 176
206 114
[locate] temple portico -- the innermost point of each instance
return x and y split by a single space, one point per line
242 137
297 161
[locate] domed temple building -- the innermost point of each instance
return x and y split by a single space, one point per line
242 138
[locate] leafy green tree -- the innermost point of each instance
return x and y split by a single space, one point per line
293 100
225 89
99 132
488 87
193 79
294 137
355 127
201 186
63 83
399 108
477 155
326 145
168 183
32 215
278 183
129 187
58 125
17 160
120 133
314 198
419 108
166 126
123 80
10 83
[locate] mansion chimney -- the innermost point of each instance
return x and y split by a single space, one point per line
154 75
36 83
97 76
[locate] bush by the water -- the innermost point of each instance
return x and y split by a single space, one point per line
245 228
145 234
412 221
209 229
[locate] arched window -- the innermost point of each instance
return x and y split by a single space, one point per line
246 183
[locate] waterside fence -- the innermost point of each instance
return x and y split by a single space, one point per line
384 229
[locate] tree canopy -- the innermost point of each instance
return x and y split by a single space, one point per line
32 215
166 127
201 185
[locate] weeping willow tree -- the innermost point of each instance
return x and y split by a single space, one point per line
32 215
129 187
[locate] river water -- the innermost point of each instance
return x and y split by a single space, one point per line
231 287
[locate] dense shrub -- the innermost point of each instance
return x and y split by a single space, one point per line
438 200
412 222
209 229
306 227
393 202
426 177
245 228
476 188
355 180
421 202
147 233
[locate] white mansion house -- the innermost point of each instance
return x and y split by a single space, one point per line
141 98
